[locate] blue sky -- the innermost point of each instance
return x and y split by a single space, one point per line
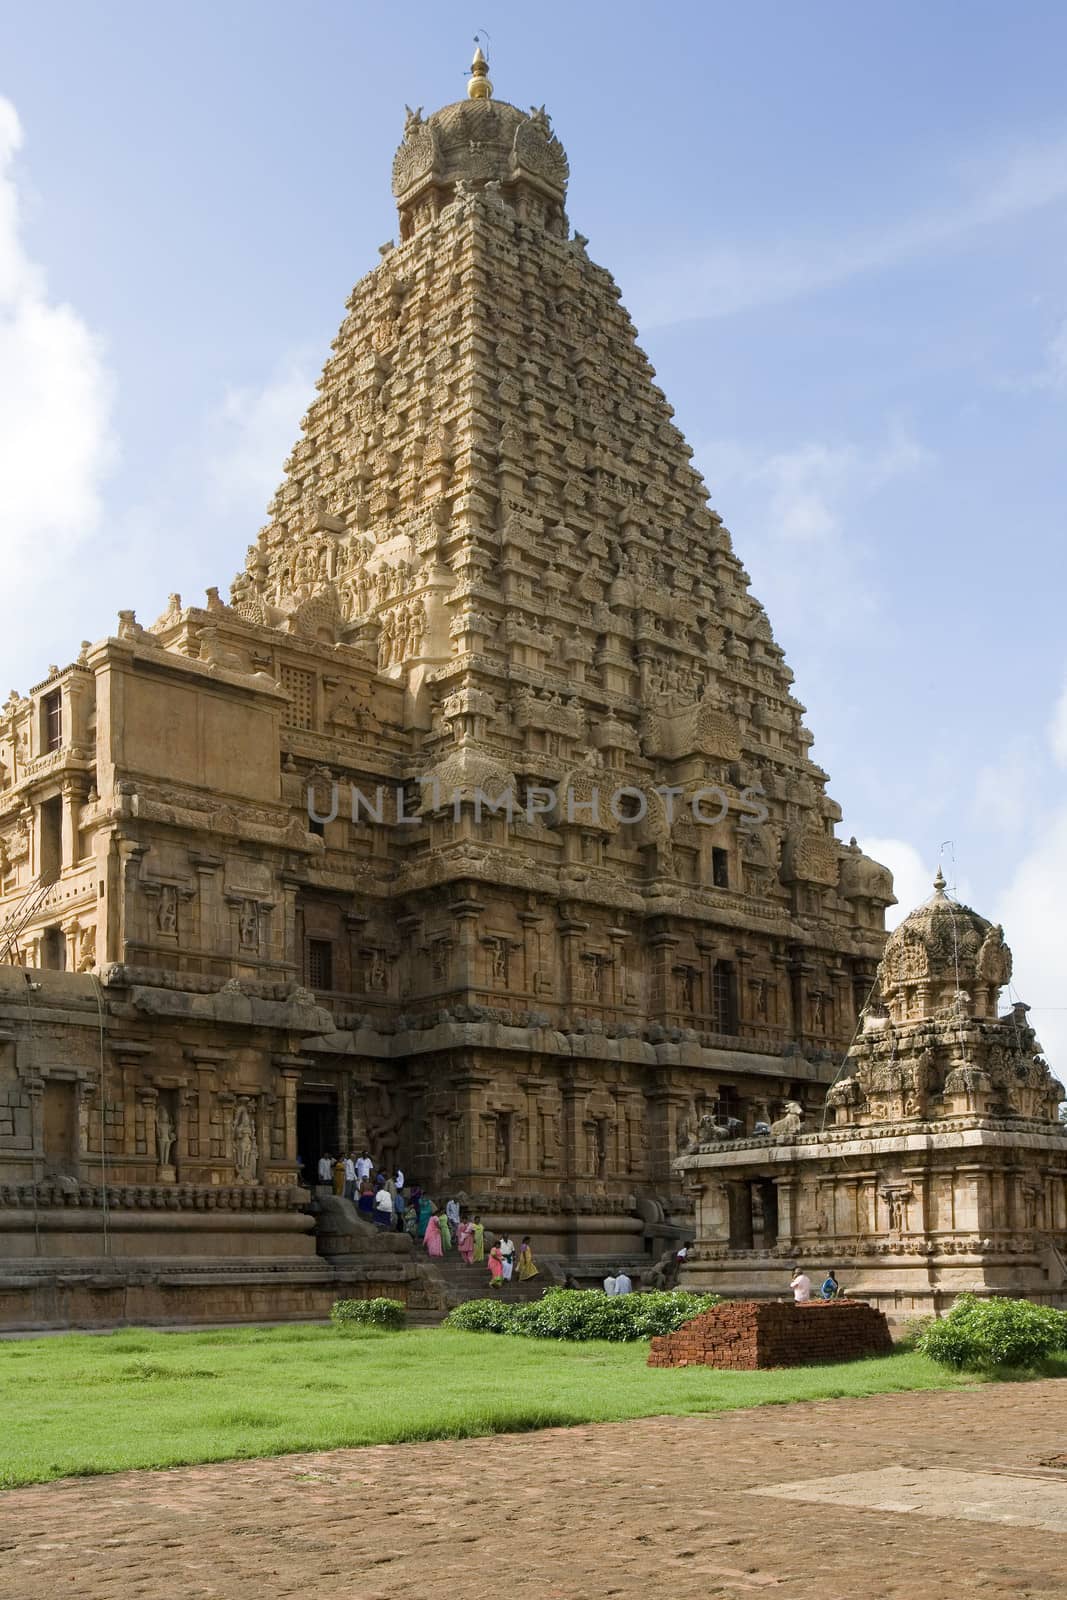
842 232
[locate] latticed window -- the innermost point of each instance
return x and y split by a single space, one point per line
300 687
319 964
722 997
52 709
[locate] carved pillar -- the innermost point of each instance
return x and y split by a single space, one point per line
466 909
570 931
147 1096
575 1091
74 791
289 1069
787 1220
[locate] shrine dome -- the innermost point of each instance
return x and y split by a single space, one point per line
941 951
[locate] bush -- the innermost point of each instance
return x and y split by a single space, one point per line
578 1314
482 1316
378 1313
984 1335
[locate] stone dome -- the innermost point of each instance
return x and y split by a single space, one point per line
940 950
470 144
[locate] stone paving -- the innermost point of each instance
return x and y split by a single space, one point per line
672 1506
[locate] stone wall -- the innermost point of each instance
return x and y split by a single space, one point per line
743 1335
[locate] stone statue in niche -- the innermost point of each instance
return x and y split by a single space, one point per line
245 1148
165 1133
248 925
167 912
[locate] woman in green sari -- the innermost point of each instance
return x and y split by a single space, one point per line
446 1231
479 1240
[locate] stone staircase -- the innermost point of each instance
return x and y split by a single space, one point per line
460 1282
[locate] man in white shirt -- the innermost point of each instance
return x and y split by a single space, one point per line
800 1284
326 1169
624 1284
609 1283
363 1166
350 1178
383 1208
507 1257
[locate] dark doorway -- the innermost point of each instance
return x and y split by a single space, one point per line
316 1129
765 1213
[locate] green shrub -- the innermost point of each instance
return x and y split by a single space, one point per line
578 1314
379 1313
482 1316
984 1335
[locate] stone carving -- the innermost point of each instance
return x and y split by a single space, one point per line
245 1147
165 1133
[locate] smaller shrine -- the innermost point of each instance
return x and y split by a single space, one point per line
939 1164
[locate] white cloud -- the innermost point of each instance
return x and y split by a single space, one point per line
56 394
252 433
797 508
1058 730
727 279
1032 912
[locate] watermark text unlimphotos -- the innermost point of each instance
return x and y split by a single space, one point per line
625 806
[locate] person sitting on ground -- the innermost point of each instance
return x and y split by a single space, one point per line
507 1255
800 1284
623 1283
527 1264
830 1287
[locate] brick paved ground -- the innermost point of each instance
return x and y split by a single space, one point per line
626 1509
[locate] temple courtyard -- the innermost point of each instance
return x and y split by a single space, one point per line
900 1496
950 1486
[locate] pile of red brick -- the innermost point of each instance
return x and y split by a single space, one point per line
745 1334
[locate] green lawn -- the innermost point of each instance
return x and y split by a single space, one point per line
87 1403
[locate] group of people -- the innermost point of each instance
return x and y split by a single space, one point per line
800 1284
503 1262
378 1195
452 1228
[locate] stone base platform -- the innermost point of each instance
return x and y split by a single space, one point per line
78 1294
744 1335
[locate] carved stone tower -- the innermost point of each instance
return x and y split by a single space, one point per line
570 880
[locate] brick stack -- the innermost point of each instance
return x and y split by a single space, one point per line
742 1335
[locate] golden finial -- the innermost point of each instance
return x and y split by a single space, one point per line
939 881
479 87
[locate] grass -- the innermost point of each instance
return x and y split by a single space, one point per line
91 1403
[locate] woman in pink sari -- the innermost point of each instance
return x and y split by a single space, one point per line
432 1238
465 1240
496 1268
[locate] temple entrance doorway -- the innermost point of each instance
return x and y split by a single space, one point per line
317 1132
